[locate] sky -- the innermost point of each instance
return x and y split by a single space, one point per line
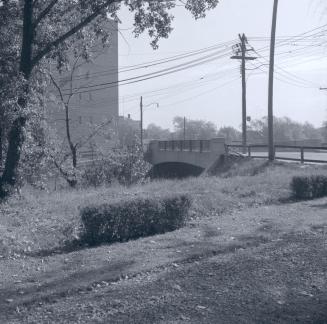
212 91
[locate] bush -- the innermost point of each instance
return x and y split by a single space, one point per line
139 217
309 187
123 166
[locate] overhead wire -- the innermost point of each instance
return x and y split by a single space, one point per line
180 88
152 63
148 76
312 36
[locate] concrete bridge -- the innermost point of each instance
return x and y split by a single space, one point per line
181 158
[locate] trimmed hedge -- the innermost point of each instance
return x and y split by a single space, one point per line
139 217
309 187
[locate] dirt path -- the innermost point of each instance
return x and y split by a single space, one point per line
264 265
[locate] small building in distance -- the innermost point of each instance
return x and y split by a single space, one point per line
92 87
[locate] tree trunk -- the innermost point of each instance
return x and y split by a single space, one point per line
10 174
72 147
1 142
16 134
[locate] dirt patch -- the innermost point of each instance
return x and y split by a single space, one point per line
258 265
279 282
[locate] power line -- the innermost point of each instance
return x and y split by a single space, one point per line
179 88
148 64
200 94
148 76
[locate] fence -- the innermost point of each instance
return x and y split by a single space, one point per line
303 154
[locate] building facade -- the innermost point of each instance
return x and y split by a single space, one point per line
90 90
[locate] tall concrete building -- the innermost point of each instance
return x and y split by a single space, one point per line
92 90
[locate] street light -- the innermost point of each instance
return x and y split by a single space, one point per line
141 119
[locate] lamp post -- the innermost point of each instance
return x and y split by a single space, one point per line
141 117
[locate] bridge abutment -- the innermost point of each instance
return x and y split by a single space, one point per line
195 155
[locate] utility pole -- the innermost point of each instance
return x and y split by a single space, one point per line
271 147
240 54
184 129
141 122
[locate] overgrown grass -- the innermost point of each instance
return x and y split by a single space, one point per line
35 220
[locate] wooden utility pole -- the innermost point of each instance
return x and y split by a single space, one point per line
141 122
184 129
241 50
271 147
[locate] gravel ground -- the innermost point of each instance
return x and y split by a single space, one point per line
261 265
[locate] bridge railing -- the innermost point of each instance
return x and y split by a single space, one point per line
310 154
185 145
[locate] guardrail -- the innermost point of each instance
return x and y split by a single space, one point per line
185 146
254 151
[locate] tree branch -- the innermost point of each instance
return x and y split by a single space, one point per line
45 12
72 31
67 120
95 132
58 88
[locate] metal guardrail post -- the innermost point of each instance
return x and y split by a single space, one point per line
249 151
302 155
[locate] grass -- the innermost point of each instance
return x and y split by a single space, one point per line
35 221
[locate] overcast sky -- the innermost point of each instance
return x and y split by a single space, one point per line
213 91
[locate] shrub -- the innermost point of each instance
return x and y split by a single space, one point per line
125 166
309 187
138 217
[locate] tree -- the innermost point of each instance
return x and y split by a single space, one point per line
323 131
127 131
154 132
73 141
286 131
48 29
230 134
194 129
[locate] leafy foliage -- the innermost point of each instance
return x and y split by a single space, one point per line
230 134
194 129
154 132
309 187
285 131
125 166
133 218
35 34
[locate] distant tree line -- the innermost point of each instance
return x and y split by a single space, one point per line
287 131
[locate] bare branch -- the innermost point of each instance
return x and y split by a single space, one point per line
82 143
71 182
58 88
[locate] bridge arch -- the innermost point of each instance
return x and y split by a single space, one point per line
175 170
184 158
